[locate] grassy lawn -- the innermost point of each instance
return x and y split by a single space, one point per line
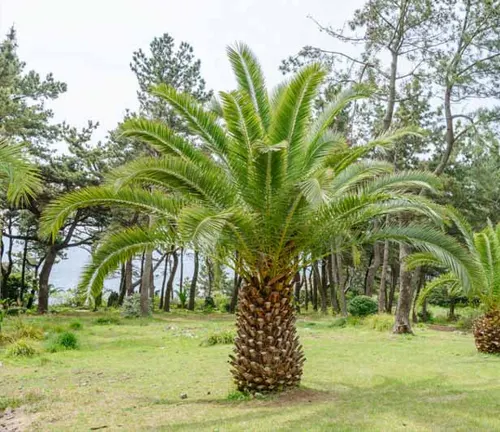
130 377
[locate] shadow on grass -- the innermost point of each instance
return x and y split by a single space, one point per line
390 405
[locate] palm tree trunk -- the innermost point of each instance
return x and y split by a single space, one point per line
268 355
194 281
402 322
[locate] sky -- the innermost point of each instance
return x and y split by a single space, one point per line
89 45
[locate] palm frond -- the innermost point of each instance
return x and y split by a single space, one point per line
21 179
149 202
250 78
200 121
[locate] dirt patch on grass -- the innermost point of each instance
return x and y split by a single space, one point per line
299 396
14 420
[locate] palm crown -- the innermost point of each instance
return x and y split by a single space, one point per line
265 178
476 271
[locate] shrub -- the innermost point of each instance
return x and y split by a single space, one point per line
132 306
15 311
380 322
338 322
108 320
21 348
239 396
219 338
113 299
467 318
75 325
63 341
362 306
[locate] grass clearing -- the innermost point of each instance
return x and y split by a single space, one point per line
355 379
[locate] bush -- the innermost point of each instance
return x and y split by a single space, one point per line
75 325
15 311
132 306
63 341
239 396
219 338
467 317
108 320
113 299
338 322
380 322
21 348
362 306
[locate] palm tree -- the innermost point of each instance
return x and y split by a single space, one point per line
476 274
18 178
266 179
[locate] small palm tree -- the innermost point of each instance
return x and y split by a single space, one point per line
266 179
18 178
476 274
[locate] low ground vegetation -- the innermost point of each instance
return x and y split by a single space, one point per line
159 374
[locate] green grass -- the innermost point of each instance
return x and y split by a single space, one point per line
355 379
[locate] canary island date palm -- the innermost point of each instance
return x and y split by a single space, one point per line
266 178
477 274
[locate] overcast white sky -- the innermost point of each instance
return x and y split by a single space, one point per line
89 44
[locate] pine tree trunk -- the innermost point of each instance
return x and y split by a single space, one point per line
341 284
372 270
322 285
164 282
382 295
402 322
194 281
333 283
170 282
392 291
306 290
43 285
145 283
268 356
315 285
127 281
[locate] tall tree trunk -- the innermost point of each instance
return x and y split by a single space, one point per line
382 295
451 315
323 287
121 289
420 278
23 271
43 284
372 270
127 281
333 283
315 285
34 288
306 290
402 321
296 295
194 281
170 282
394 284
181 275
342 282
268 355
146 282
164 282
